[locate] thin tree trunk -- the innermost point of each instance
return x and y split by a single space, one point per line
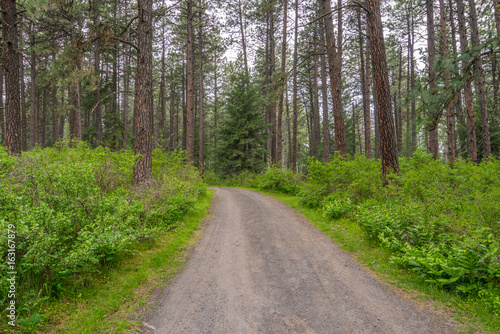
243 38
324 95
126 88
365 90
471 129
279 139
216 103
162 126
97 111
201 132
315 126
333 61
190 84
24 128
399 110
173 95
431 49
450 118
295 111
272 69
382 89
479 80
34 94
44 119
11 64
144 92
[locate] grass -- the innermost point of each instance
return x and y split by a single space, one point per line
345 232
113 302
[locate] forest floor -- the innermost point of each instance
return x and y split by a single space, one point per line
261 267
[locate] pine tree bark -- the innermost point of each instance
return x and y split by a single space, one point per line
295 97
324 95
333 62
126 88
144 92
201 130
382 89
399 112
97 111
469 105
450 118
279 135
55 114
272 69
480 83
315 125
243 38
365 90
162 127
431 49
11 64
43 127
190 84
24 128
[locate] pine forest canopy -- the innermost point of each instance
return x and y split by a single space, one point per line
376 78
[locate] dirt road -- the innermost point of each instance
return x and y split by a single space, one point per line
262 268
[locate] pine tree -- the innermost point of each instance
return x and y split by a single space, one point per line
242 141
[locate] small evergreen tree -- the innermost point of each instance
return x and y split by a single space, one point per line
242 134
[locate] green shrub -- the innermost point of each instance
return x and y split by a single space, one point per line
75 210
279 180
334 208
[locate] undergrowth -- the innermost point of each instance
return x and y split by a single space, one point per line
75 212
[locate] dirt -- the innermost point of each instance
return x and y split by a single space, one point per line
260 267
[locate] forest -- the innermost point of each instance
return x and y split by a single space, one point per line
380 113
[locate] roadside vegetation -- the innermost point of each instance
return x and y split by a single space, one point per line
77 215
438 224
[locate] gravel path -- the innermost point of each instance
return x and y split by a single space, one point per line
260 267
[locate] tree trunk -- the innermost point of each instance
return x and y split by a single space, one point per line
162 126
97 111
295 111
324 95
190 84
431 49
144 92
11 64
450 118
315 125
54 114
44 119
243 38
24 128
469 105
399 111
382 89
173 98
126 88
201 132
479 80
279 139
272 69
365 90
334 62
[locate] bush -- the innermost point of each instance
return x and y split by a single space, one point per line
75 210
336 208
279 180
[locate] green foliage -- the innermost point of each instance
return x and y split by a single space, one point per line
334 208
75 210
439 221
279 180
242 134
357 179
